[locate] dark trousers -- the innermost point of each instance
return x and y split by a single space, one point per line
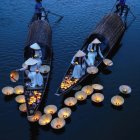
121 8
39 16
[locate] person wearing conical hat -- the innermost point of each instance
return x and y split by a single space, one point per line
94 46
120 6
79 62
31 68
37 50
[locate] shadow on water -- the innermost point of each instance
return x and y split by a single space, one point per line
34 131
125 95
59 132
97 104
119 108
9 98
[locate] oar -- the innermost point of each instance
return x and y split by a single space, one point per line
49 12
132 13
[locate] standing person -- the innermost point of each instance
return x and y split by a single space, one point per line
120 4
38 9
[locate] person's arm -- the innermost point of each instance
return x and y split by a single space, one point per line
72 62
22 69
100 53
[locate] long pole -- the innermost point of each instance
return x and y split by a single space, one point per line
114 6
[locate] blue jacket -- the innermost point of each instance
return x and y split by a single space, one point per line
122 2
38 7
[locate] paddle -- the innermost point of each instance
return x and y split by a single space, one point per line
49 12
114 5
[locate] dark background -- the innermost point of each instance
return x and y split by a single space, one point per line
88 121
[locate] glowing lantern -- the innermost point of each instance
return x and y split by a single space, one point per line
35 117
45 119
68 82
64 113
7 90
117 100
80 95
58 123
14 76
125 89
92 70
71 101
20 99
50 109
88 90
97 97
97 87
107 62
19 89
23 107
44 69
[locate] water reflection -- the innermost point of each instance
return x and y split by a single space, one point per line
34 131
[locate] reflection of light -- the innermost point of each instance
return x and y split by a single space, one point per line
20 99
117 100
70 101
58 123
23 107
45 119
88 90
68 82
64 113
7 90
50 109
97 87
19 89
35 117
125 89
80 95
97 97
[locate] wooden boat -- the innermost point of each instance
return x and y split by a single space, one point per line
39 32
109 30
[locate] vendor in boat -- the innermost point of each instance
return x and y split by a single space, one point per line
31 68
94 51
37 51
121 5
79 62
38 9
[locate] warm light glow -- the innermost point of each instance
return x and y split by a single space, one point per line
107 62
70 101
50 109
14 76
20 99
23 107
68 82
35 98
92 70
97 87
97 97
45 119
58 123
35 117
125 89
7 90
88 90
64 113
80 95
117 100
19 89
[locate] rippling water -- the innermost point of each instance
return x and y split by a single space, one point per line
88 121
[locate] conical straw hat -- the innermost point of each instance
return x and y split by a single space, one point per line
80 54
31 61
96 41
35 46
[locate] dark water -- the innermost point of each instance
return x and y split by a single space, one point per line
88 121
